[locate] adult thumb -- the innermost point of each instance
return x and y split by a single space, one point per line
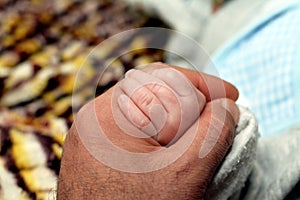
217 126
214 136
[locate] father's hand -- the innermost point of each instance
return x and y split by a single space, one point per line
158 134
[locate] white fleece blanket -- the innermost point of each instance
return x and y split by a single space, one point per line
239 162
277 167
270 163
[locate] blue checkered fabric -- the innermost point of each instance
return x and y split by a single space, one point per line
264 63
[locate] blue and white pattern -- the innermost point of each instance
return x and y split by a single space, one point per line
264 63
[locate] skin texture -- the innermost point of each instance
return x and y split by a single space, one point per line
84 177
158 105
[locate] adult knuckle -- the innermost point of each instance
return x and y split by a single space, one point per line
223 124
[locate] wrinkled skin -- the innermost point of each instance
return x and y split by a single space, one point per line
164 103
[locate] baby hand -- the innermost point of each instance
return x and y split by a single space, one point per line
162 103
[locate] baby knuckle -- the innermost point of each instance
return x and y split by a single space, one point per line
143 98
155 88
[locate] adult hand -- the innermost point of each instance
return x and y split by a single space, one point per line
154 113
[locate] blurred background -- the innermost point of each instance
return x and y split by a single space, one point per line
43 44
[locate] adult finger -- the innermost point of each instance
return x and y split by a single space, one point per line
213 136
217 125
212 87
209 139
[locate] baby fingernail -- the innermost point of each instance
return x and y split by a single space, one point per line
129 72
122 98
